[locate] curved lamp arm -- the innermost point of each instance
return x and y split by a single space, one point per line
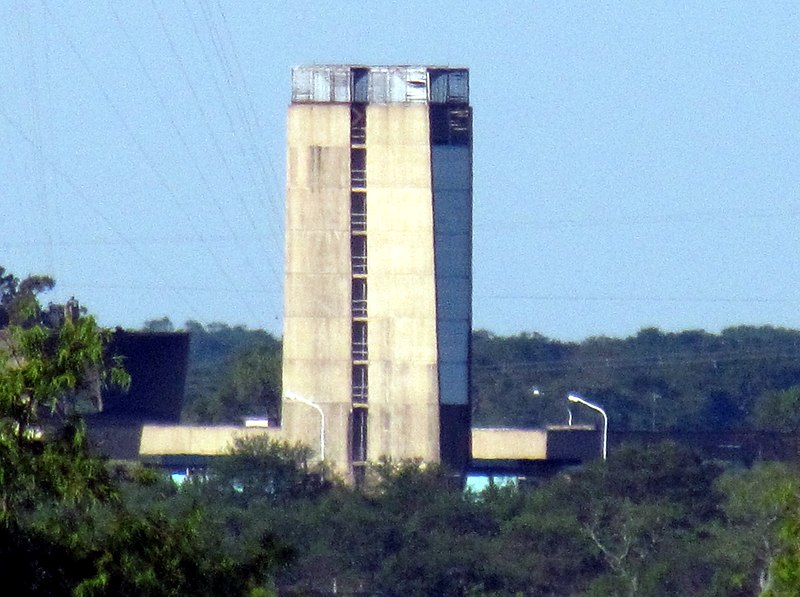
578 399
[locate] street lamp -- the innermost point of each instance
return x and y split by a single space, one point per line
292 397
574 398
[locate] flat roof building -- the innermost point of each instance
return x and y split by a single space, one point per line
378 278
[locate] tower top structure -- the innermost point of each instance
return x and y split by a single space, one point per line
362 84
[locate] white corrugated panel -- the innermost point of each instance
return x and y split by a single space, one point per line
397 85
378 86
321 90
301 83
416 85
341 84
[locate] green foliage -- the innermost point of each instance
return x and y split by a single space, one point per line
778 410
156 554
18 299
67 525
638 510
746 544
653 381
163 324
233 372
783 576
261 467
44 368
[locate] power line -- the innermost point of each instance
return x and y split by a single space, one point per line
214 139
186 146
142 258
651 361
721 217
637 299
275 199
148 160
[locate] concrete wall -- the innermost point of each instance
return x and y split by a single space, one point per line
509 444
317 321
204 440
557 443
403 376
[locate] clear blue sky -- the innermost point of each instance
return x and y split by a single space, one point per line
636 163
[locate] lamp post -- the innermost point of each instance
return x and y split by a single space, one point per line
292 397
574 398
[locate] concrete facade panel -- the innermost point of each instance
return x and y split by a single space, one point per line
318 167
404 431
404 210
326 210
321 338
383 174
509 444
317 322
404 341
386 303
318 124
394 253
302 424
399 125
318 296
403 378
205 440
317 252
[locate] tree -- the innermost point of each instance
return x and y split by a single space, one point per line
163 324
156 554
251 386
640 509
746 544
46 363
778 410
18 299
233 372
65 526
259 467
655 380
783 577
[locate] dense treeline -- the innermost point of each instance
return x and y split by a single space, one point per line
655 381
742 378
649 521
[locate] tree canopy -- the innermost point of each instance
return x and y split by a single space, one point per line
67 525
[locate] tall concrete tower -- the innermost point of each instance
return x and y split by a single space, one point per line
378 280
